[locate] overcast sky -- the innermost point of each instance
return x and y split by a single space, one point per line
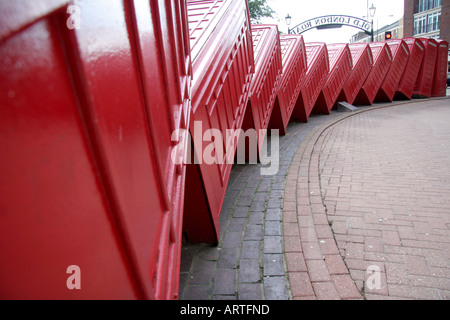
387 11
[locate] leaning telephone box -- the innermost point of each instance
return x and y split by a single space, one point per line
294 69
400 56
424 82
440 71
93 203
316 75
340 67
222 61
408 80
266 80
362 65
382 59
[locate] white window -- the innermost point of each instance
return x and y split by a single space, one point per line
434 21
420 24
425 5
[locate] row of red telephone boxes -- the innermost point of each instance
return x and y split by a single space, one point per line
98 99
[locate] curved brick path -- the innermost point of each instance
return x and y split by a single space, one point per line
381 179
379 176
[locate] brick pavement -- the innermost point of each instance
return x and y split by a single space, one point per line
347 172
385 182
248 263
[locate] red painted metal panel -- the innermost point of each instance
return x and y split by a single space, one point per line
20 13
222 60
340 67
424 82
294 62
400 56
362 65
267 77
408 80
382 59
440 71
315 78
88 116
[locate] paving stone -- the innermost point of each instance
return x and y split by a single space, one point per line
318 270
273 265
253 232
272 228
275 288
325 291
225 282
346 287
250 291
241 212
273 214
249 270
256 217
301 285
232 239
258 205
251 249
295 262
228 258
196 293
273 244
203 273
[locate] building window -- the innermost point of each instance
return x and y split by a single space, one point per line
434 21
420 24
427 23
425 5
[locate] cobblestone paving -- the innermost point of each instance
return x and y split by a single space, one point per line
385 181
248 262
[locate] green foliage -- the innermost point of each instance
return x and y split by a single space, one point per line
259 9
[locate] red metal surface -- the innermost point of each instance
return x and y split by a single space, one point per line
315 78
400 56
14 17
222 60
87 117
267 77
440 71
408 79
293 55
424 82
340 67
362 65
382 59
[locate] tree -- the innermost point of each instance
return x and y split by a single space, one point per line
259 9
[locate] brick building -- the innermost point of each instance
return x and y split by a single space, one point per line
427 18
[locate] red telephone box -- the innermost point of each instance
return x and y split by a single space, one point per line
424 82
409 77
340 68
400 56
440 71
382 59
266 81
362 65
316 75
293 54
223 66
89 104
